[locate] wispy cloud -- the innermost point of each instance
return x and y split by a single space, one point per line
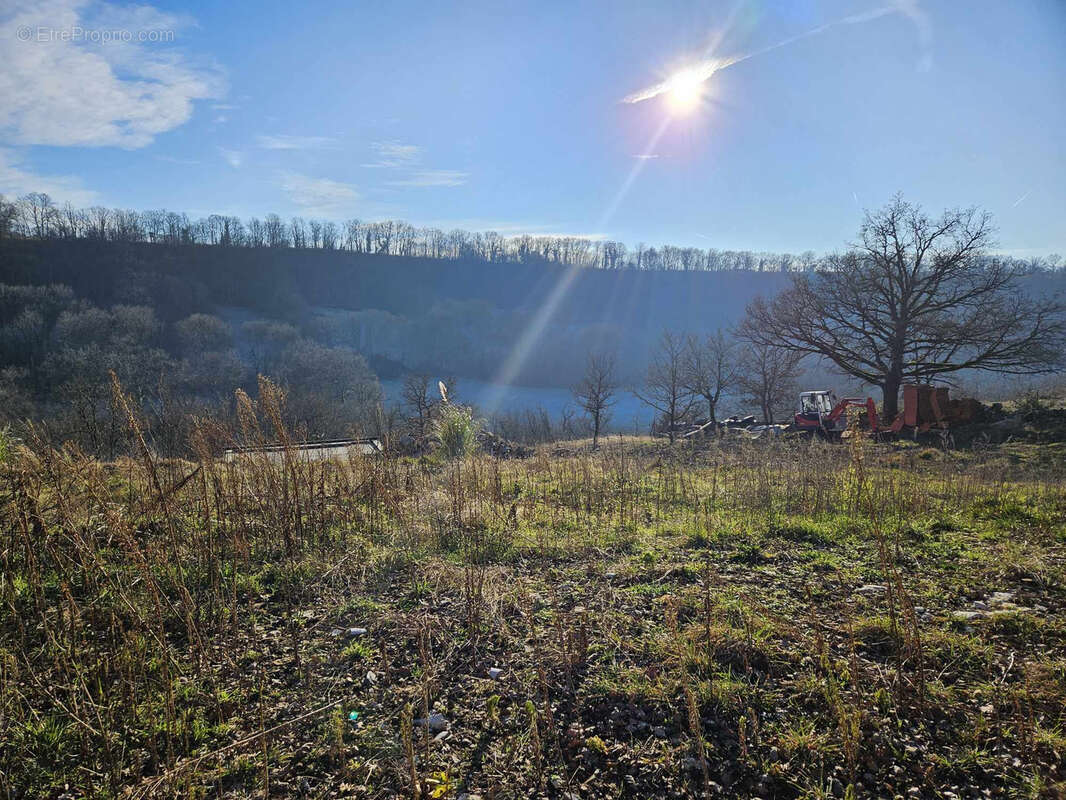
76 92
320 196
406 161
394 154
1021 199
17 178
285 142
433 177
234 158
176 160
645 156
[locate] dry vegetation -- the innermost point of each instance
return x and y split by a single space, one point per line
738 619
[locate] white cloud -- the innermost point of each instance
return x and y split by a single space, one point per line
319 196
90 91
406 160
233 157
433 177
284 142
395 154
17 179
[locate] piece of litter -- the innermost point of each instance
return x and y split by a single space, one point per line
353 716
436 723
495 672
353 632
872 588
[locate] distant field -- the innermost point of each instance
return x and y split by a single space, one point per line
744 619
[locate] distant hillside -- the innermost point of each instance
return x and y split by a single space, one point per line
441 315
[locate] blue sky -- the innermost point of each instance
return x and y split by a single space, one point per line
509 117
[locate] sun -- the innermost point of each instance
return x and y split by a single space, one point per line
684 90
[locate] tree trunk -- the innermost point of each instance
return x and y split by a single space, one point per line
890 398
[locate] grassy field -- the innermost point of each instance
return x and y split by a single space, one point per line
741 619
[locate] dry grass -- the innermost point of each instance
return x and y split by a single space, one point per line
668 621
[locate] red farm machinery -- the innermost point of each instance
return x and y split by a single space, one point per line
927 412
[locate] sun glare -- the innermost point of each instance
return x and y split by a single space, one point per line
685 91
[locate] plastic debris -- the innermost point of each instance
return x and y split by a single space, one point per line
495 672
436 723
353 632
353 716
872 588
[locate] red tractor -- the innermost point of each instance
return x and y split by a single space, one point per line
927 411
821 413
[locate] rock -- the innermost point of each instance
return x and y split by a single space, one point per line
1001 597
980 605
371 678
967 616
495 672
436 723
871 589
659 732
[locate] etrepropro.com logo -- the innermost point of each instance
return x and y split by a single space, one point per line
46 34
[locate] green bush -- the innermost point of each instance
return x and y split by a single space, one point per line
457 431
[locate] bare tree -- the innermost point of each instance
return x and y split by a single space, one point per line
710 368
915 299
415 394
767 376
595 391
664 388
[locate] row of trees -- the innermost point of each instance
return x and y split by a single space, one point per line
37 216
689 376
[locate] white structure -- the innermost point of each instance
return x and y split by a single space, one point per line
310 451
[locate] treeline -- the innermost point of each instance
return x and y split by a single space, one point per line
37 216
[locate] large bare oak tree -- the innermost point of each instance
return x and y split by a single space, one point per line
915 298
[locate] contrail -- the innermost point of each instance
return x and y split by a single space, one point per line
703 70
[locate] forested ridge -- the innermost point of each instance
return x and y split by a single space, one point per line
185 312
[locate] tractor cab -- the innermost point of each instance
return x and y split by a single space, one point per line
815 412
814 409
